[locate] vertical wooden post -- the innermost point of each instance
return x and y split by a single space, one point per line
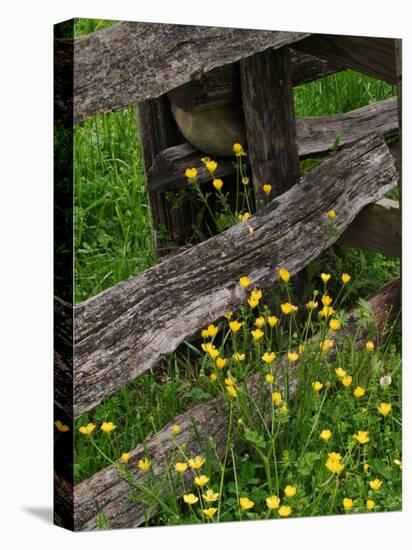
267 96
158 131
398 56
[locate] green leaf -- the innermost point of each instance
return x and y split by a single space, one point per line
198 394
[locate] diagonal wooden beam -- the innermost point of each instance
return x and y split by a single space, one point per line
123 331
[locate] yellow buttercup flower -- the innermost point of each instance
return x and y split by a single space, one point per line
290 490
260 322
125 457
211 165
293 356
370 504
317 386
283 409
257 334
211 350
358 392
191 174
87 430
200 481
345 278
210 512
218 184
253 303
210 496
325 435
213 377
245 180
287 308
273 321
180 467
212 330
384 408
268 357
228 315
284 511
326 300
331 214
284 274
362 437
190 499
269 378
340 372
267 189
108 427
365 467
205 333
144 464
239 356
221 362
245 503
244 217
276 397
176 429
334 464
334 324
256 295
244 282
375 484
273 502
196 463
326 311
235 326
238 150
398 462
370 346
325 277
301 348
312 304
231 391
326 345
346 381
61 427
347 503
230 381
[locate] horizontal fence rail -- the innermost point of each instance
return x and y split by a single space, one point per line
315 136
130 62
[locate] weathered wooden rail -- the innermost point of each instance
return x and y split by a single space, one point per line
194 72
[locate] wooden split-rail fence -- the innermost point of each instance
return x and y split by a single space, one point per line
174 74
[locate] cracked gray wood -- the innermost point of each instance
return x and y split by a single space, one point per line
122 332
267 100
131 62
106 493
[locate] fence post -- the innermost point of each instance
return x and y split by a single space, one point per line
158 131
267 95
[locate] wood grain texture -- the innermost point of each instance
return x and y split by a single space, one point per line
370 55
377 228
107 493
131 62
267 101
123 331
221 86
315 135
158 131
